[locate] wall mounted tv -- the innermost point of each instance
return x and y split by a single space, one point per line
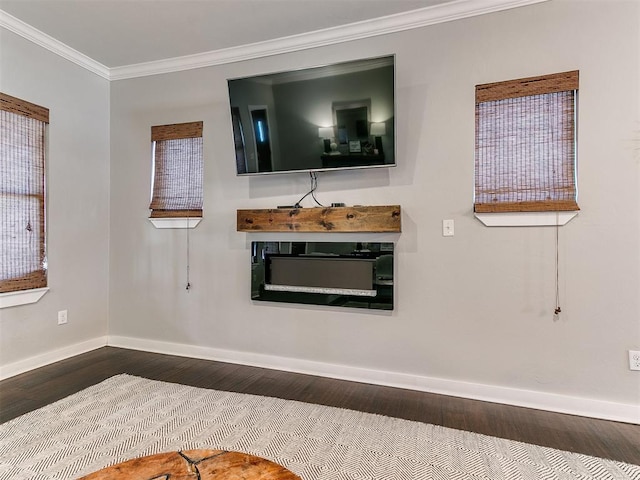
339 116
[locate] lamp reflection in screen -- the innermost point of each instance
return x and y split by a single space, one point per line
377 131
326 133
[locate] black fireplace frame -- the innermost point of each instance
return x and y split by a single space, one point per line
337 274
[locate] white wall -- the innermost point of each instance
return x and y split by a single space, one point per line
77 203
475 309
474 312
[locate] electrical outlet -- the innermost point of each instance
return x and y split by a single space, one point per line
62 317
634 360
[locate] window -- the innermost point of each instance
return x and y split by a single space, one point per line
23 263
177 170
525 145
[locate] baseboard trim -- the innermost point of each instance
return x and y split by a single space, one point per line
47 358
510 396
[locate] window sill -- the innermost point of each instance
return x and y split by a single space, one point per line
525 219
24 297
176 222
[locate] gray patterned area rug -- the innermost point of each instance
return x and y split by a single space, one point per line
126 417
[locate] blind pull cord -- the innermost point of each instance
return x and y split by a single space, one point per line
558 309
188 261
188 287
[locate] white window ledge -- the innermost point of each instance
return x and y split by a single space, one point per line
24 297
176 222
525 219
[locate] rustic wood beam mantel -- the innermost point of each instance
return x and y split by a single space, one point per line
372 219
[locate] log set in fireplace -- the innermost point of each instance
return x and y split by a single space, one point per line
344 274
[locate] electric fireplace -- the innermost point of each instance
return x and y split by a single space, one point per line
344 274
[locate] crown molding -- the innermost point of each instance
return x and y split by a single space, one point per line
442 13
345 33
34 35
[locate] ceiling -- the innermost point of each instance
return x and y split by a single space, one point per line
117 33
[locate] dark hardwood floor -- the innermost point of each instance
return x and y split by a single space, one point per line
32 390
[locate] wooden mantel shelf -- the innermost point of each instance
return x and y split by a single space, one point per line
373 219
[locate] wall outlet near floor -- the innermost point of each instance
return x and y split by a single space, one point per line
62 317
634 359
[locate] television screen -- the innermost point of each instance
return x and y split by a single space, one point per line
314 119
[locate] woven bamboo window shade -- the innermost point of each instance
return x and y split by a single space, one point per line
177 173
525 145
22 195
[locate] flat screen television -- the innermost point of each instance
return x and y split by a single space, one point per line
339 116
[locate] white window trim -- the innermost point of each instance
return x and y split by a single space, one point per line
21 297
525 219
176 222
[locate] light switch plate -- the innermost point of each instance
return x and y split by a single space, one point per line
634 359
447 228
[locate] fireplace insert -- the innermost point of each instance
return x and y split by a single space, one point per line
344 274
